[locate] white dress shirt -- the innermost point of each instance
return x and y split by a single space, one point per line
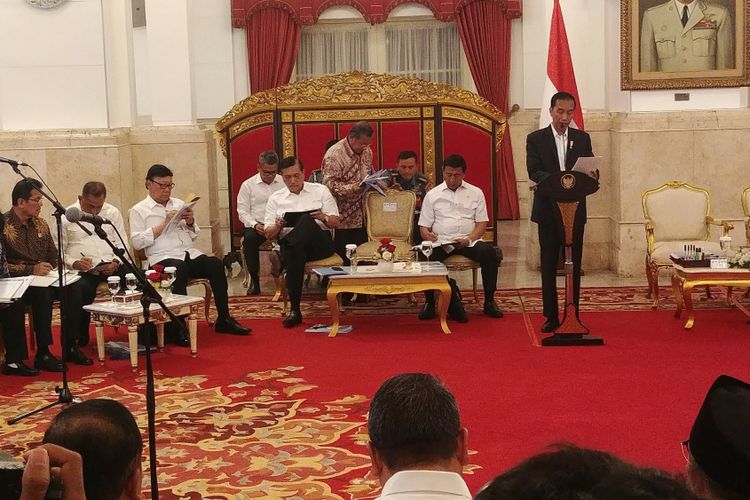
425 485
453 214
146 215
252 199
311 197
561 141
79 244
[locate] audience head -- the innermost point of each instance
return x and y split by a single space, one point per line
27 200
268 166
292 173
561 108
407 164
360 136
92 197
454 171
106 436
159 183
414 424
572 473
719 445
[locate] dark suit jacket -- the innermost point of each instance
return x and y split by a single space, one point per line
541 162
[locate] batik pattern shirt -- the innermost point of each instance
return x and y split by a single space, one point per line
26 245
343 172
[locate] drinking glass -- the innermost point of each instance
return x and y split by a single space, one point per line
130 282
426 249
113 285
351 254
168 275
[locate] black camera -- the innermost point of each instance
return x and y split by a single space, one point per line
11 474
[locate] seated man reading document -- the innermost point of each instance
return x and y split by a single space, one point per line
299 216
454 214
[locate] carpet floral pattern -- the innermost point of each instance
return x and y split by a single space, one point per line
258 437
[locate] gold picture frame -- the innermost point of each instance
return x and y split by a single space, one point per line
712 49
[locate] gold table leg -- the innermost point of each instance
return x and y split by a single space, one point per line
133 345
99 329
333 304
193 331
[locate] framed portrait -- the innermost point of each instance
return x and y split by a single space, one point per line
677 44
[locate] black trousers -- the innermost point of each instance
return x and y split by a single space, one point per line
41 301
14 332
481 252
307 241
202 266
550 243
251 248
88 283
343 237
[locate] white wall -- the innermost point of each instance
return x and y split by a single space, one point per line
52 71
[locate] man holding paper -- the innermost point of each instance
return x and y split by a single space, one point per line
89 254
165 228
31 251
299 217
454 214
553 149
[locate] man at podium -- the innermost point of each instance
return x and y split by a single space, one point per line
552 149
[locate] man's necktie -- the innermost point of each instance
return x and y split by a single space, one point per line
684 16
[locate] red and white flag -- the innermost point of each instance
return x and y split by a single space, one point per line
560 74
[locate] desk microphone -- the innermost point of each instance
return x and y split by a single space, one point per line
74 214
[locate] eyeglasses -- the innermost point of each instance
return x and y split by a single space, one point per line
685 446
163 186
36 200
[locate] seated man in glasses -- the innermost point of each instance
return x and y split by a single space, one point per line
149 220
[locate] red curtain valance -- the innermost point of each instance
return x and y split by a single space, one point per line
306 12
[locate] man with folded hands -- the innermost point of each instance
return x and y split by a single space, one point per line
304 237
31 251
90 255
454 214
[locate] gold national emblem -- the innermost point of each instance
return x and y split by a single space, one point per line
567 181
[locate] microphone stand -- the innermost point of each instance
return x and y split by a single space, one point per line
64 396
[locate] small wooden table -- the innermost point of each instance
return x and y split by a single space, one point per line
131 315
684 279
415 278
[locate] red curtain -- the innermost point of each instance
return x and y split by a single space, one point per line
272 46
484 28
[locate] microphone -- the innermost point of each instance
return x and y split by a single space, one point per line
74 214
13 163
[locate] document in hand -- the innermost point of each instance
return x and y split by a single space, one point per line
588 165
178 216
12 289
291 218
377 181
51 279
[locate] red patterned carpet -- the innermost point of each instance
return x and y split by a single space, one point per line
282 414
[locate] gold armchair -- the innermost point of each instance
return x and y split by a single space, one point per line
746 211
676 214
390 216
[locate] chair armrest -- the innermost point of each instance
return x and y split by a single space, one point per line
649 236
727 226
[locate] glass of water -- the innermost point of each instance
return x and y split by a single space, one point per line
113 285
351 254
426 248
130 282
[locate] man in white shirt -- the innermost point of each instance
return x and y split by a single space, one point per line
455 212
150 218
85 252
417 445
251 209
304 238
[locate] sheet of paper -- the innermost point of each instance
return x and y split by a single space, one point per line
12 289
588 165
51 279
178 216
390 206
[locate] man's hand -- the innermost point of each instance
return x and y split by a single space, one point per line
169 215
429 235
83 264
319 215
461 242
48 460
188 217
109 269
42 268
260 229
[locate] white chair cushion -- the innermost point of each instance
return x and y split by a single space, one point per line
678 214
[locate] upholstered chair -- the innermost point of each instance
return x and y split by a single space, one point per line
677 214
746 210
390 216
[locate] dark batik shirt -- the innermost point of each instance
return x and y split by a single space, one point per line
26 245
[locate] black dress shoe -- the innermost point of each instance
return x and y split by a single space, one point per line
230 325
20 369
48 363
491 309
428 311
550 325
294 319
458 314
75 355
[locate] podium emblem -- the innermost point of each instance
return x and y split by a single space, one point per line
568 181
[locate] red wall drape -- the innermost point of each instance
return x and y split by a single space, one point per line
272 46
484 28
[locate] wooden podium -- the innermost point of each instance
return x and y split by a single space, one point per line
566 190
